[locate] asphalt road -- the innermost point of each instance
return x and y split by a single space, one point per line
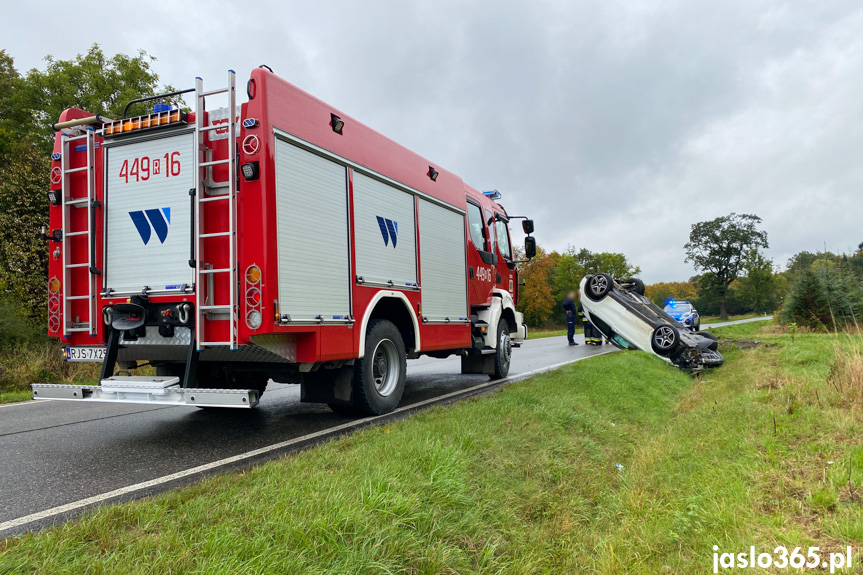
750 320
57 453
64 455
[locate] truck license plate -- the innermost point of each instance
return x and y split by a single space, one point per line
85 353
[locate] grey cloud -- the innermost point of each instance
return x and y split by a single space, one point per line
615 124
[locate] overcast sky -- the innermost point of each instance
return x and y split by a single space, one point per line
616 125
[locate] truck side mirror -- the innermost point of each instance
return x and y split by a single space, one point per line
527 226
530 246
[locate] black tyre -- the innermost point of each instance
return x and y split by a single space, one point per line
598 286
637 285
665 340
697 325
379 377
713 346
503 353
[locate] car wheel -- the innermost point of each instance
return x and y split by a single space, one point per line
598 286
697 325
379 377
503 353
637 285
664 340
713 346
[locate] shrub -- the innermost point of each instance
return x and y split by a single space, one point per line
846 373
16 328
824 298
42 363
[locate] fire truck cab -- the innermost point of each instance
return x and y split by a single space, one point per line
275 240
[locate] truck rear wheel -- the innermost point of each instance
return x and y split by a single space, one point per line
503 353
379 377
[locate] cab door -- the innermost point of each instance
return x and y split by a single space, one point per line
481 259
507 276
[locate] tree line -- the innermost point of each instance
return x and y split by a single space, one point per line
29 103
550 276
821 290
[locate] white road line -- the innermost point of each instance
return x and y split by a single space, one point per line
59 510
19 403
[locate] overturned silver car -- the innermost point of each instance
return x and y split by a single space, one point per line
629 320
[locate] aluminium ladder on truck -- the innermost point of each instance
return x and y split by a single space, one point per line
67 233
206 306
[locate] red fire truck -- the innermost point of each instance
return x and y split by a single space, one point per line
277 240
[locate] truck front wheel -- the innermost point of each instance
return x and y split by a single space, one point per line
503 353
379 377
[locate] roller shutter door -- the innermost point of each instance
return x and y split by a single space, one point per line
312 213
442 254
385 233
148 214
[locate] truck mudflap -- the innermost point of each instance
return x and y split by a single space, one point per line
156 390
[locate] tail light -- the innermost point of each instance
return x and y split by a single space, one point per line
254 317
54 286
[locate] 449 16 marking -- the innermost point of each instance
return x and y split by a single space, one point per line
141 169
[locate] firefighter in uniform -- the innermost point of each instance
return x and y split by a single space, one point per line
571 311
592 336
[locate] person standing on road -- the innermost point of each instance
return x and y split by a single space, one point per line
591 334
571 311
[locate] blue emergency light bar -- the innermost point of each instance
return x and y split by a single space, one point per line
492 194
159 108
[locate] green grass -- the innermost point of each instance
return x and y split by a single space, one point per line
537 333
15 395
753 330
525 480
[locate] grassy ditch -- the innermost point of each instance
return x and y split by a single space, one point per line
619 464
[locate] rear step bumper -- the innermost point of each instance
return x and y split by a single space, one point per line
147 390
